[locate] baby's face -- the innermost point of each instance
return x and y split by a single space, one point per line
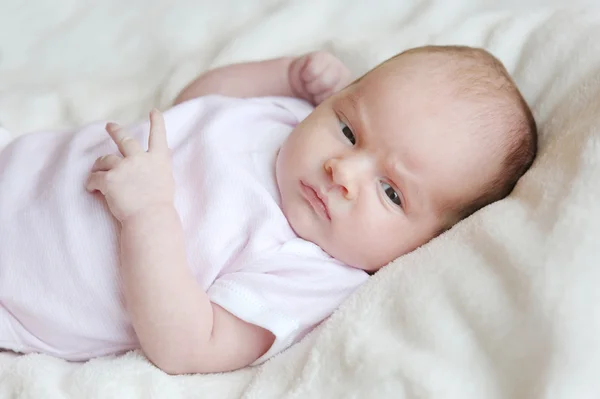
368 175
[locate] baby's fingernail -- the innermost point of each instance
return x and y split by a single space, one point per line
111 126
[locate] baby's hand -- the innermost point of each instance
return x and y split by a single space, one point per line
316 76
139 180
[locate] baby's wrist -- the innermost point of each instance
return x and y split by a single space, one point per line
150 212
294 79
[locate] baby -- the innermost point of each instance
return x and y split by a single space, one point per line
250 215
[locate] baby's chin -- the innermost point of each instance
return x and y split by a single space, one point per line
362 258
348 256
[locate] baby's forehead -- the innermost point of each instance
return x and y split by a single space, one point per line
421 135
408 92
404 94
392 109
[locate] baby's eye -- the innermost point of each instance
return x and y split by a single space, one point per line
391 194
348 133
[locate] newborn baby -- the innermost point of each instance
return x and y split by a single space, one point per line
250 216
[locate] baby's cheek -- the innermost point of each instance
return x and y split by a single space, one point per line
387 240
360 240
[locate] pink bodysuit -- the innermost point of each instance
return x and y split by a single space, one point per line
60 291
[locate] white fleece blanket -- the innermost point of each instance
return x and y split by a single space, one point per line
504 305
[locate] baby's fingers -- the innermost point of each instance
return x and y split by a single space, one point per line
158 133
127 145
316 63
105 163
326 81
96 182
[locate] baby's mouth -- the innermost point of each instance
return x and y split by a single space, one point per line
316 200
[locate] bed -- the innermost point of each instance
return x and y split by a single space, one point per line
504 305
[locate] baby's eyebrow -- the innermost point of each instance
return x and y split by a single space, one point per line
357 114
354 104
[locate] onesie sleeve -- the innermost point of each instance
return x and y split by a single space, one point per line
287 295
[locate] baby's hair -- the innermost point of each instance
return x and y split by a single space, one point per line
481 77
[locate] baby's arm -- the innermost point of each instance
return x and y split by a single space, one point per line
179 329
312 77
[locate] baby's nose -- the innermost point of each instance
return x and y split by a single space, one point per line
347 172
